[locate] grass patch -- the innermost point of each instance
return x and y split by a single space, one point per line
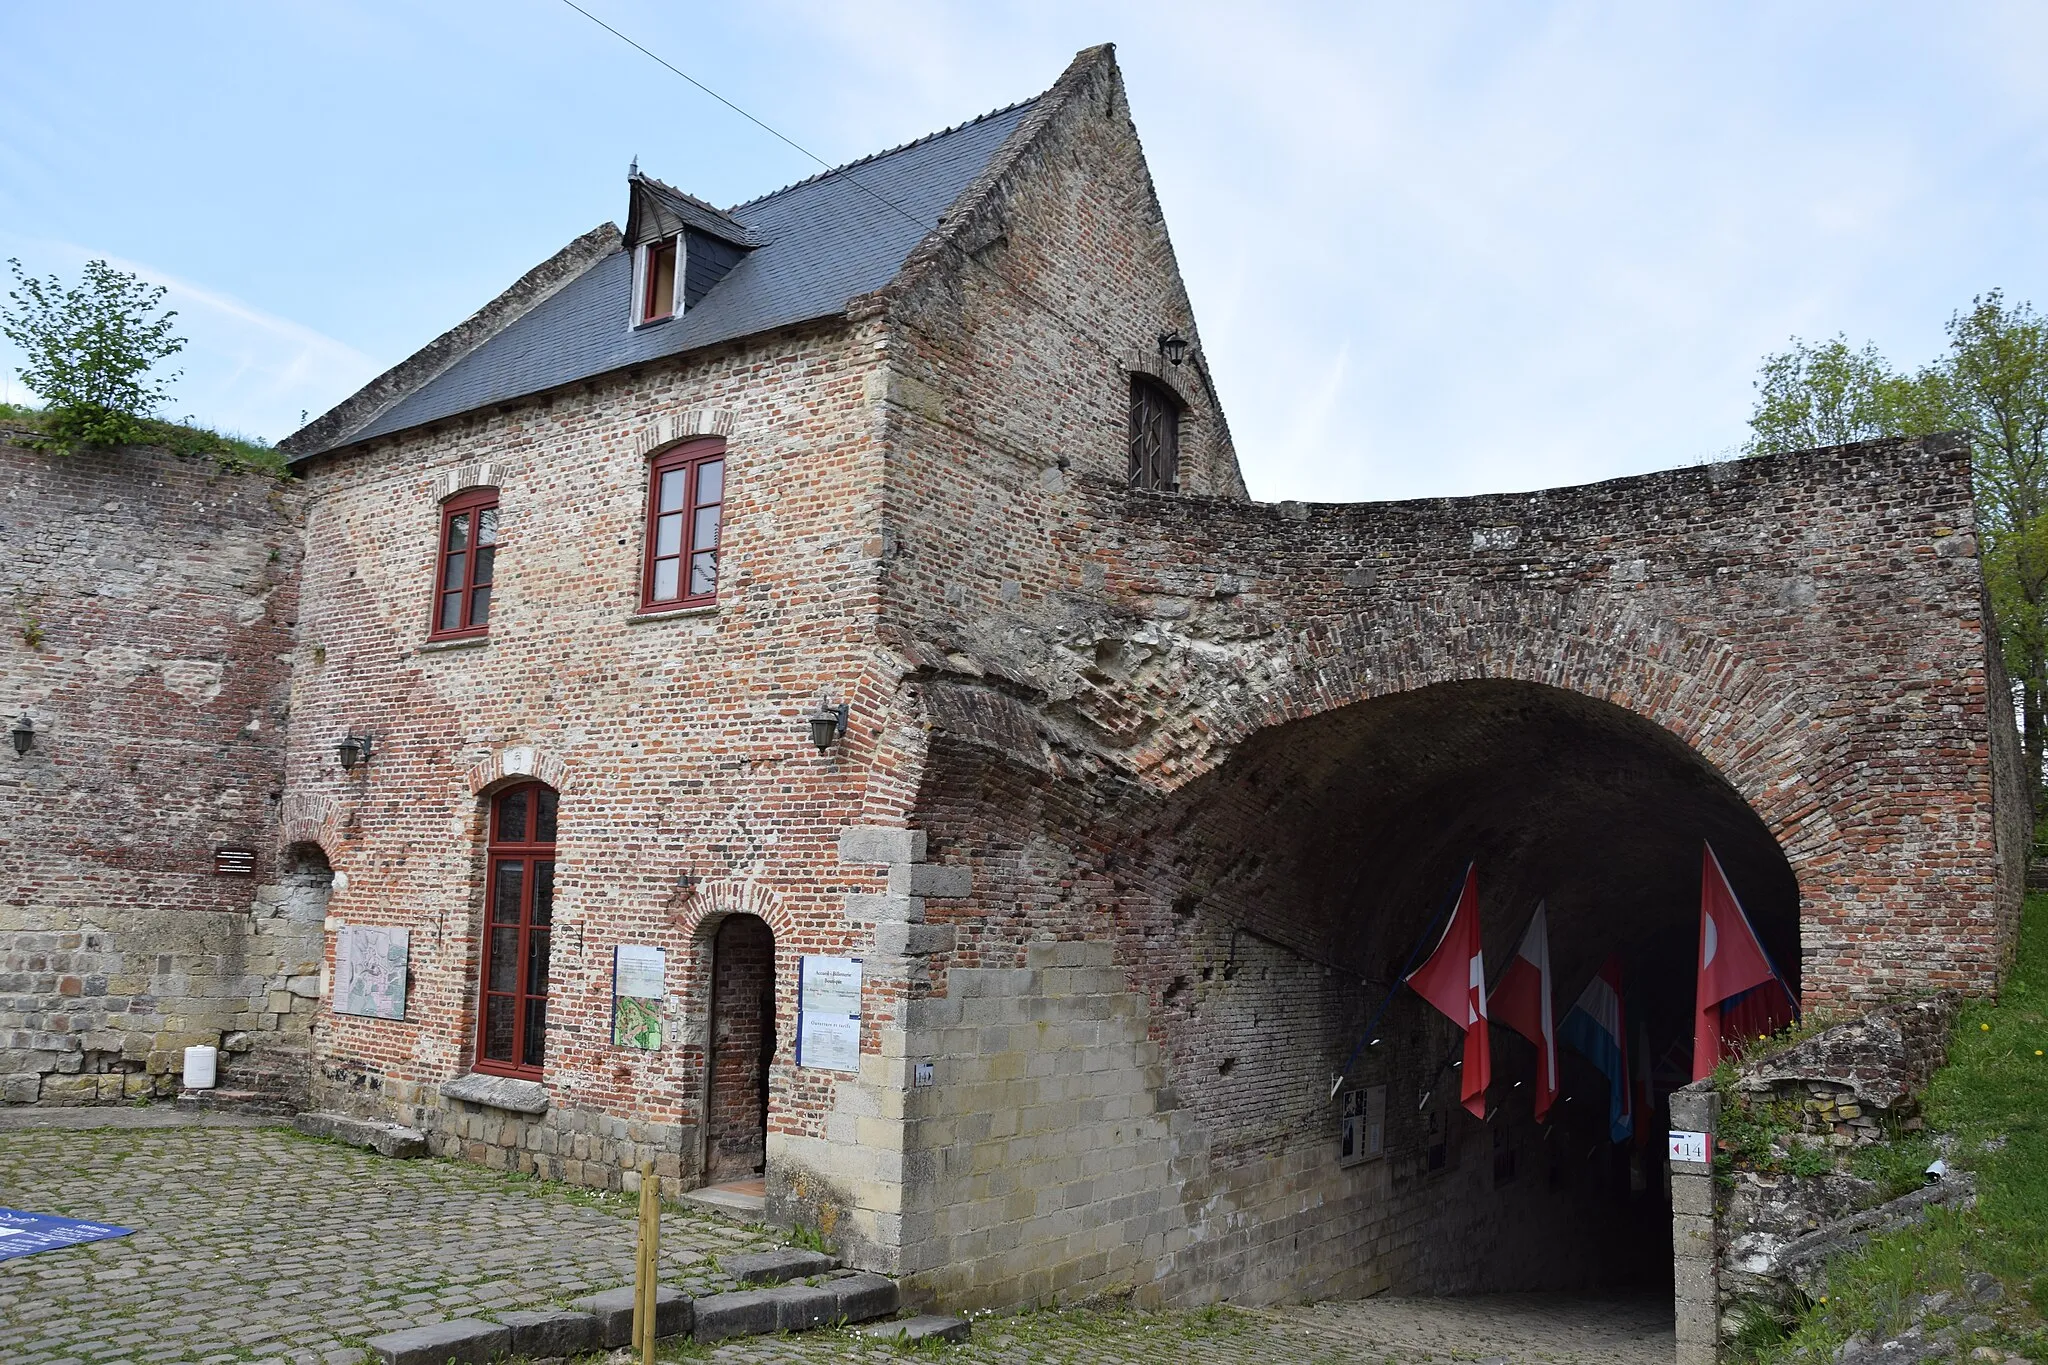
233 452
1992 1097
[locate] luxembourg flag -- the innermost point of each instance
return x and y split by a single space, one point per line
1594 1027
1454 980
1521 1000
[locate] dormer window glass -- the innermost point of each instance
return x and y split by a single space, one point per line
659 301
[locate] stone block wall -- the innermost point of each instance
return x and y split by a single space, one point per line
150 606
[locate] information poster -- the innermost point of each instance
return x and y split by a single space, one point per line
22 1233
828 1012
1364 1134
637 977
369 970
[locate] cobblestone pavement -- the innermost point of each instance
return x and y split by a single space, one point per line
256 1244
1520 1328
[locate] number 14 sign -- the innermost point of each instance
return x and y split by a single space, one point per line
1689 1147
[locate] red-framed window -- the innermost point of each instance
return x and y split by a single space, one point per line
464 568
685 502
659 299
519 911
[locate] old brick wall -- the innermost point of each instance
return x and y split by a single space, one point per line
690 790
151 601
1222 718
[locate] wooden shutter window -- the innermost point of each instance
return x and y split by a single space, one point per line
519 905
685 506
466 566
1155 437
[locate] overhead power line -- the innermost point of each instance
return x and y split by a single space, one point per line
1073 328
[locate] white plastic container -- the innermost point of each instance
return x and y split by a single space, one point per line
201 1063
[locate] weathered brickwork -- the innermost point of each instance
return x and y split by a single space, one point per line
150 606
1144 799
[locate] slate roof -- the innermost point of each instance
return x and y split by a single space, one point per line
826 240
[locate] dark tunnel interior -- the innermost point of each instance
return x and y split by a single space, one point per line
1340 838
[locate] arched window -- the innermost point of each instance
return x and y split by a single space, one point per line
512 1014
1155 436
685 503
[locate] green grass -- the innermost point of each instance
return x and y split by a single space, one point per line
1992 1097
233 452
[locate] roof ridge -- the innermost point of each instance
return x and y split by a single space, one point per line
886 152
706 205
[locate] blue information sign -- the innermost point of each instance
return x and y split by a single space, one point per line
24 1233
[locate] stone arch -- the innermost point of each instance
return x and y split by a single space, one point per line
1139 361
462 478
707 904
689 425
522 762
1750 724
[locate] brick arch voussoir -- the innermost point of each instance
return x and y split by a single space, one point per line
310 818
677 427
1748 722
520 762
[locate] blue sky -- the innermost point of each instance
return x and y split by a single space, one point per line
1435 249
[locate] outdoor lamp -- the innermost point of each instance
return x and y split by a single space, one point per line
1173 346
828 723
352 750
24 734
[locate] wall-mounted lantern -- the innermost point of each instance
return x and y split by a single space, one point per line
352 750
1173 347
828 723
24 733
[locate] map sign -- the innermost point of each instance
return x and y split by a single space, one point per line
24 1233
637 976
828 1012
369 970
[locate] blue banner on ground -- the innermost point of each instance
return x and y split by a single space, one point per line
24 1233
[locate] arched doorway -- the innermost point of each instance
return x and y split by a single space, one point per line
742 1054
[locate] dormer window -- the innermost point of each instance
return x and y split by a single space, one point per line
658 302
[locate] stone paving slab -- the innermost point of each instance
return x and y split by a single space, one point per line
1523 1329
259 1244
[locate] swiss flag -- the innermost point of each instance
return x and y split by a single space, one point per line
1454 980
1731 961
1521 1000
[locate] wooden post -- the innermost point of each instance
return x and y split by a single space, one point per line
646 1266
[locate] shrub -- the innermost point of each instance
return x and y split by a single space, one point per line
90 349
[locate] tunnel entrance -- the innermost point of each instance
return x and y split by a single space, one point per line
1303 874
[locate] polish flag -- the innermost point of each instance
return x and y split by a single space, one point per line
1454 980
1732 962
1521 1000
1596 1030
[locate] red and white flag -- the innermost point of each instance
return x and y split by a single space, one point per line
1731 961
1521 1000
1454 980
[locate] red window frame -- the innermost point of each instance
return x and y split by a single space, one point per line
652 307
512 964
685 524
465 567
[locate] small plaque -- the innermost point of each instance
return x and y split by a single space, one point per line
234 862
1689 1147
921 1075
1363 1133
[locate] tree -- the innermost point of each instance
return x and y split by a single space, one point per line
90 350
1992 386
1825 395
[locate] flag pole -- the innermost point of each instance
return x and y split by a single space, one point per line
1428 936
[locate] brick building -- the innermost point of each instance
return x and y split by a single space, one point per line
864 572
